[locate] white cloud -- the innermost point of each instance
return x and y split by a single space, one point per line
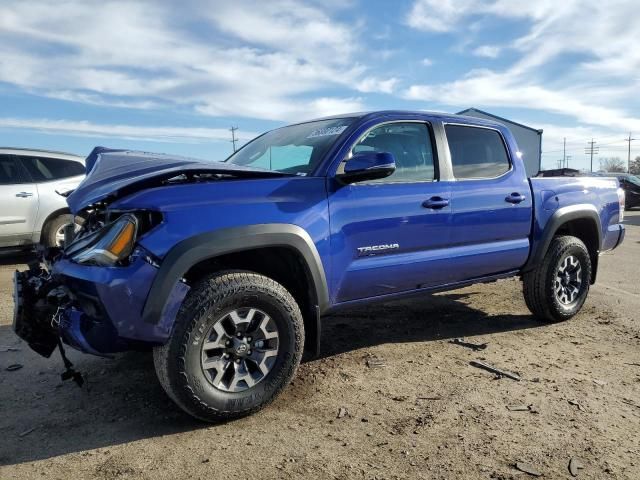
371 84
513 90
286 26
427 62
593 89
134 132
487 51
147 54
438 15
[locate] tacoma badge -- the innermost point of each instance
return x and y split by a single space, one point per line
373 249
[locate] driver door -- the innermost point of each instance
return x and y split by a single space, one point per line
389 235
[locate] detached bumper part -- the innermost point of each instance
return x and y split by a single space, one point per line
32 312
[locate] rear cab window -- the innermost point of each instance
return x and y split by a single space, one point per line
45 169
476 152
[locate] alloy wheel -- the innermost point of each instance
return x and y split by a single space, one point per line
568 280
240 349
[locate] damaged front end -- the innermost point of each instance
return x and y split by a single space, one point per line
48 310
91 295
38 301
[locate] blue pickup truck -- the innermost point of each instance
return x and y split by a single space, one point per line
225 269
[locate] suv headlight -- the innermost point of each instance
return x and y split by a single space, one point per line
110 245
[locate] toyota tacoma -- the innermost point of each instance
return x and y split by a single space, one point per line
225 269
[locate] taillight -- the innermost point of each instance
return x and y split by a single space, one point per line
621 203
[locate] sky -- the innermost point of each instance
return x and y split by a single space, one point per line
173 77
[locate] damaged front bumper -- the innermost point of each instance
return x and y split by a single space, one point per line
97 310
34 309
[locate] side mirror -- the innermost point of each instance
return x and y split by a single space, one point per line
368 166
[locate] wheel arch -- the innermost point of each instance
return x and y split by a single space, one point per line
581 221
282 251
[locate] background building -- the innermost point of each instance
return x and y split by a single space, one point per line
529 139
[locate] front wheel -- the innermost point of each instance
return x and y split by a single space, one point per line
237 343
557 288
53 235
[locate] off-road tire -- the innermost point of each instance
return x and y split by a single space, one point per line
177 362
51 228
539 284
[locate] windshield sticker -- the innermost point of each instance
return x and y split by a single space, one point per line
326 132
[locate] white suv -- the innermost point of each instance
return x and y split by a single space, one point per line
30 209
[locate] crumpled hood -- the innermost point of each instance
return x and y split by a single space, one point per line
112 173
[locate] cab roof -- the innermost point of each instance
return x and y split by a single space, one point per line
382 114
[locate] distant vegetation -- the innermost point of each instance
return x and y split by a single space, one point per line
612 164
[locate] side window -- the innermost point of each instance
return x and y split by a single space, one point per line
43 169
410 144
10 171
476 152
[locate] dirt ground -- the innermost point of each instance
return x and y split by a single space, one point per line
415 407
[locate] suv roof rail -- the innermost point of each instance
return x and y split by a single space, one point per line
24 149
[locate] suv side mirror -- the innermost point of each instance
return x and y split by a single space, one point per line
368 166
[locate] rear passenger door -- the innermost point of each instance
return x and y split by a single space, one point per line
18 203
491 204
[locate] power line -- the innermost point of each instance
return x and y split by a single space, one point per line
233 137
574 149
629 140
580 141
591 150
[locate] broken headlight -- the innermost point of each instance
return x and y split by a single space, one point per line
108 246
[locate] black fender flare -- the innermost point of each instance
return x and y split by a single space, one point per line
559 218
193 250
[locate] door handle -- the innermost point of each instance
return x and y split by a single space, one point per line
436 203
515 197
24 194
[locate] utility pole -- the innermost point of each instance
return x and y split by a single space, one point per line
233 137
591 150
564 152
629 140
567 161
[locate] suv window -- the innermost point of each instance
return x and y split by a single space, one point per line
43 169
476 152
410 145
10 171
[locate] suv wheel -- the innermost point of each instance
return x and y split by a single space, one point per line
53 234
558 287
237 342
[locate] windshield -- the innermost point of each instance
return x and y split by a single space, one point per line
633 179
296 149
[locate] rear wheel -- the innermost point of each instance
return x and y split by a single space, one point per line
556 289
236 344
